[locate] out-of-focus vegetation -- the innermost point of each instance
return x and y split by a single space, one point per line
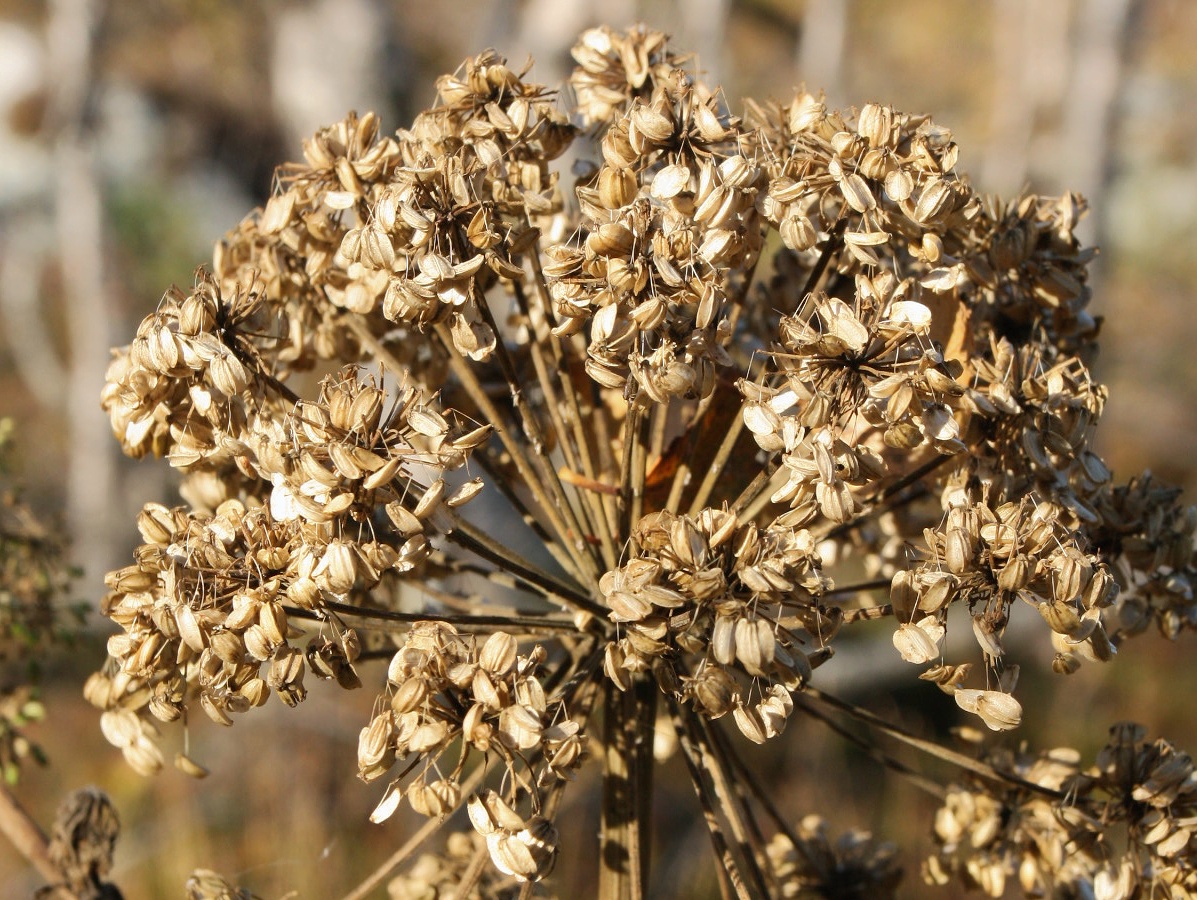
171 115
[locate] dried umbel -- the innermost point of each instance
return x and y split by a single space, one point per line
741 382
1119 828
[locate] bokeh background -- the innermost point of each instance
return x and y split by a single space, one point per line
133 133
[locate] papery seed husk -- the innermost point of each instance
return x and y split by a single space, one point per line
670 181
431 499
189 766
749 721
914 644
390 801
498 653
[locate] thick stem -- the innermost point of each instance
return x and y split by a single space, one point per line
627 790
25 835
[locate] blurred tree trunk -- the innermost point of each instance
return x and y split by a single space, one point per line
1104 36
1031 59
327 58
72 26
821 42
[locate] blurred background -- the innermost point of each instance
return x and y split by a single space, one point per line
133 134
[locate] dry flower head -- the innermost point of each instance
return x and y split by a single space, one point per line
745 380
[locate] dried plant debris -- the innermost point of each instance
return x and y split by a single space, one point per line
81 845
35 613
747 380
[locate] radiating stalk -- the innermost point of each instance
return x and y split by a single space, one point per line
731 801
553 406
968 763
577 414
466 535
413 843
531 479
692 755
573 534
631 479
717 464
875 753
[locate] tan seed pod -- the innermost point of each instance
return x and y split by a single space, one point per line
431 499
940 590
715 691
670 181
273 619
627 607
933 199
498 653
189 629
617 187
999 711
255 691
723 640
258 644
857 193
754 645
749 721
344 461
488 812
520 727
214 711
337 570
390 801
987 637
228 374
465 493
613 666
612 239
486 691
428 736
144 757
650 123
798 233
775 710
120 727
227 647
917 644
411 694
165 709
404 520
189 766
427 422
958 550
375 751
899 185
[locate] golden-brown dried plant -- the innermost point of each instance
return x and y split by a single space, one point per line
747 381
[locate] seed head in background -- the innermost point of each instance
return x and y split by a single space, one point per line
747 381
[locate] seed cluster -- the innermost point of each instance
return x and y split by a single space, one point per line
1124 830
730 386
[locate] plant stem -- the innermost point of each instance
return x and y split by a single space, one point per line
467 536
725 859
722 455
627 790
25 835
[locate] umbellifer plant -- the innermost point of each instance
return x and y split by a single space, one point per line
747 381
